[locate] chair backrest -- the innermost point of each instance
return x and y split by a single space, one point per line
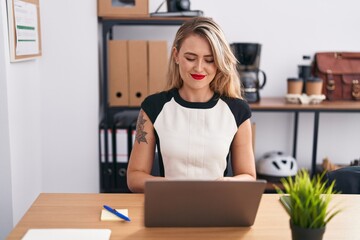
347 179
156 166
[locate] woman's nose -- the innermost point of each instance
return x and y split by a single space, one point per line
199 65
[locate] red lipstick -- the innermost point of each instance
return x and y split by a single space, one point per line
197 76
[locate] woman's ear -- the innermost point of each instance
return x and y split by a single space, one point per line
175 55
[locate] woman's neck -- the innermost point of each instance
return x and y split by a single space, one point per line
196 95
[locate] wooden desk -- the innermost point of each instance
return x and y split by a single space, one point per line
279 104
83 211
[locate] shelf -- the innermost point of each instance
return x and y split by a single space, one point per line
279 104
113 173
150 21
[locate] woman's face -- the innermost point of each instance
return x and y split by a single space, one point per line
196 62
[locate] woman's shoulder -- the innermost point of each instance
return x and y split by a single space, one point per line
154 103
159 97
239 108
235 102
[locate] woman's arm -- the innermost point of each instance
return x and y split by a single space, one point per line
242 154
142 154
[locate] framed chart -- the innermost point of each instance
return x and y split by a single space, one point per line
24 29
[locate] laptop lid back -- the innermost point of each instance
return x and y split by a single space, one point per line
202 203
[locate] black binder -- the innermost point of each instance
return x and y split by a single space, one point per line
107 167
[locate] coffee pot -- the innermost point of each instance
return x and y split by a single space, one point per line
248 55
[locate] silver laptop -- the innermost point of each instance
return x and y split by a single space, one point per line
202 203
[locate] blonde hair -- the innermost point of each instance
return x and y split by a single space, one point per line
226 81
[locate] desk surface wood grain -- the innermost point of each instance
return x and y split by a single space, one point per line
52 210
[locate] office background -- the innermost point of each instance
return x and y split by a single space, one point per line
49 107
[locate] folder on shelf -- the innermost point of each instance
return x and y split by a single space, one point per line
138 71
122 146
107 168
118 89
158 61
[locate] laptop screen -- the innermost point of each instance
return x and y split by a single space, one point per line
202 203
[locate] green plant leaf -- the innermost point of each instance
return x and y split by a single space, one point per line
308 199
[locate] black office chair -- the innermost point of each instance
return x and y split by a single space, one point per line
347 179
157 169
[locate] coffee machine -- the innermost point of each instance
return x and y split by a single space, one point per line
248 55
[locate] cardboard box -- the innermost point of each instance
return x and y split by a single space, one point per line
117 8
138 71
158 62
118 88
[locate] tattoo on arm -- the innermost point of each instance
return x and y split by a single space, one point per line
140 133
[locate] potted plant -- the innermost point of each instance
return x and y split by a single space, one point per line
307 201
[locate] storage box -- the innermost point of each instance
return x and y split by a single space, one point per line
123 8
138 71
118 73
158 63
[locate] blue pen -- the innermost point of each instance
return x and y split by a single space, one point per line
113 211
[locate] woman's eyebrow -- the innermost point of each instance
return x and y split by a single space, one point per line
190 53
194 54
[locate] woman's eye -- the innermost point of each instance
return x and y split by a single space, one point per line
190 59
209 60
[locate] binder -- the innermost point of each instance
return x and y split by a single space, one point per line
138 71
121 146
107 173
122 143
118 73
158 61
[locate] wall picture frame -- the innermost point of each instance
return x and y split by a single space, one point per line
24 29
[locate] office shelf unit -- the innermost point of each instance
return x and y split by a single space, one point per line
279 104
113 177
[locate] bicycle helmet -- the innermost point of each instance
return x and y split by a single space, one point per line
275 165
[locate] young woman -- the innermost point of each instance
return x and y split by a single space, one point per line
199 119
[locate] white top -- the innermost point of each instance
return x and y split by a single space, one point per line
194 139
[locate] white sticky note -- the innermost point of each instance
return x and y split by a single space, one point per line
108 216
67 234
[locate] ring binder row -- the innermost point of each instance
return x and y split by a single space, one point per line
137 68
115 146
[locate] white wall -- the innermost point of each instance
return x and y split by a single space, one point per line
69 96
49 106
6 207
